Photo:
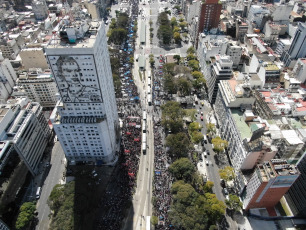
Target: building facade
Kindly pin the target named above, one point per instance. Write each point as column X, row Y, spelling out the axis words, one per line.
column 296, row 196
column 221, row 69
column 269, row 183
column 210, row 12
column 24, row 125
column 7, row 79
column 298, row 46
column 85, row 118
column 39, row 86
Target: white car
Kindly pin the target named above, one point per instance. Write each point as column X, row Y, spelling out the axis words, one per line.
column 207, row 162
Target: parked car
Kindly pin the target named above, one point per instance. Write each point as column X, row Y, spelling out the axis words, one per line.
column 222, row 183
column 201, row 118
column 225, row 193
column 207, row 162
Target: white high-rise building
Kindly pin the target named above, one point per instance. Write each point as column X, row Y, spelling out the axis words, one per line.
column 85, row 118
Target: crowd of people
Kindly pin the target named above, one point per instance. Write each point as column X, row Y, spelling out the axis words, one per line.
column 162, row 178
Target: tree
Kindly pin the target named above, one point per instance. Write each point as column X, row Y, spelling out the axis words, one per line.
column 173, row 22
column 178, row 144
column 185, row 36
column 199, row 83
column 164, row 33
column 191, row 113
column 182, row 169
column 210, row 129
column 154, row 220
column 183, row 24
column 117, row 84
column 184, row 86
column 197, row 74
column 194, row 65
column 61, row 202
column 208, row 186
column 177, row 58
column 234, row 202
column 196, row 137
column 227, row 173
column 215, row 208
column 219, row 144
column 172, row 116
column 194, row 126
column 118, row 35
column 177, row 37
column 176, row 29
column 191, row 50
column 151, row 60
column 122, row 20
column 26, row 215
column 170, row 84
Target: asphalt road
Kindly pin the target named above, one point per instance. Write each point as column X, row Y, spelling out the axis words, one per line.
column 54, row 177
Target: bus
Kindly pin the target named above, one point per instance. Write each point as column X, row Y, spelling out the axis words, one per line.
column 144, row 148
column 144, row 138
column 144, row 115
column 149, row 99
column 149, row 90
column 144, row 130
column 38, row 192
column 148, row 222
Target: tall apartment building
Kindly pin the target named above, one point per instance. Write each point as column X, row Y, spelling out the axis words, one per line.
column 39, row 86
column 296, row 195
column 282, row 45
column 85, row 118
column 298, row 46
column 239, row 126
column 268, row 184
column 7, row 79
column 241, row 30
column 220, row 69
column 210, row 12
column 24, row 128
column 234, row 51
column 9, row 47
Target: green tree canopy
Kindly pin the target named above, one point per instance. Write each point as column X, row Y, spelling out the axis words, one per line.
column 194, row 126
column 170, row 84
column 26, row 215
column 184, row 86
column 208, row 186
column 173, row 22
column 227, row 173
column 234, row 202
column 191, row 57
column 199, row 83
column 191, row 50
column 177, row 37
column 122, row 20
column 61, row 202
column 176, row 29
column 215, row 208
column 196, row 137
column 178, row 144
column 164, row 33
column 210, row 129
column 194, row 65
column 182, row 169
column 197, row 74
column 117, row 35
column 183, row 24
column 219, row 144
column 191, row 113
column 169, row 68
column 172, row 116
column 177, row 58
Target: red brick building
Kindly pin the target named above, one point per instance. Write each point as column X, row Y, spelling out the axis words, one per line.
column 269, row 183
column 209, row 15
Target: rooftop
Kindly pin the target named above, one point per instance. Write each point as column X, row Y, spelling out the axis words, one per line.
column 79, row 35
column 242, row 126
column 271, row 67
